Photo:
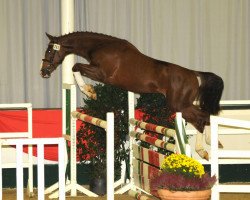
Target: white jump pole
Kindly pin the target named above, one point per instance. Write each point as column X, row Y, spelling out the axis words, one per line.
column 131, row 114
column 110, row 155
column 67, row 23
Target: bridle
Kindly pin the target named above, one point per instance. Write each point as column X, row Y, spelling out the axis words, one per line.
column 51, row 67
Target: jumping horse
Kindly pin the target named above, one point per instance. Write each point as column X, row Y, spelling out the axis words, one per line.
column 117, row 62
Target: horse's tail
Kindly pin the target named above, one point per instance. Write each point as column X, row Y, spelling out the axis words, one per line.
column 210, row 92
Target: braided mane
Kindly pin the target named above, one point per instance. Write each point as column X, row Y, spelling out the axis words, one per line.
column 79, row 33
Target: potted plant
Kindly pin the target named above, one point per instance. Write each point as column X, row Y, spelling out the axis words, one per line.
column 182, row 177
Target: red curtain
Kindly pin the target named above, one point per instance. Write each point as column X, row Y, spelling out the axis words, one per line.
column 46, row 123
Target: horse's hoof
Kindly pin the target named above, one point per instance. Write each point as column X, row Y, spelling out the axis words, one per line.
column 206, row 156
column 220, row 145
column 93, row 96
column 203, row 154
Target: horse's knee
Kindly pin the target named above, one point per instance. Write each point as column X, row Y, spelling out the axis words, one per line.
column 76, row 67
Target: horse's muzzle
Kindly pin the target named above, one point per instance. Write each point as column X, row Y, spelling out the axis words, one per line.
column 45, row 73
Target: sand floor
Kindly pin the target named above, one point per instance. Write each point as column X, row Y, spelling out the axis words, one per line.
column 10, row 194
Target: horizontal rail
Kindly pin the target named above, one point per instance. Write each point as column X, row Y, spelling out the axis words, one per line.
column 16, row 105
column 152, row 127
column 30, row 141
column 231, row 122
column 89, row 119
column 153, row 141
column 234, row 154
column 15, row 135
column 234, row 188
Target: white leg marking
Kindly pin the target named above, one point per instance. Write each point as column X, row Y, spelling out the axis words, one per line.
column 79, row 80
column 208, row 135
column 199, row 147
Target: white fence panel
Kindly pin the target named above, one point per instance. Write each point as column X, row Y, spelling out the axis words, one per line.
column 219, row 154
column 40, row 143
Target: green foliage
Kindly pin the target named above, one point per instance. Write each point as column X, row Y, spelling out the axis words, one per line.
column 156, row 111
column 92, row 139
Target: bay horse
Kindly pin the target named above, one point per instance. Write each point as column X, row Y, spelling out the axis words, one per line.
column 117, row 62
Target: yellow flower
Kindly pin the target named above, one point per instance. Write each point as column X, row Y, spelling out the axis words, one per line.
column 182, row 164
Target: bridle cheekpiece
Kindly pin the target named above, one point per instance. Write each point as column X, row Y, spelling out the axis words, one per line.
column 56, row 47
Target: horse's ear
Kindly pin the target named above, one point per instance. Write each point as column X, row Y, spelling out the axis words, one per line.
column 51, row 38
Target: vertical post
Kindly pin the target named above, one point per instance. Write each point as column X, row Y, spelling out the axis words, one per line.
column 40, row 171
column 30, row 152
column 131, row 114
column 214, row 155
column 110, row 155
column 72, row 121
column 131, row 109
column 61, row 172
column 67, row 22
column 19, row 171
column 68, row 111
column 1, row 172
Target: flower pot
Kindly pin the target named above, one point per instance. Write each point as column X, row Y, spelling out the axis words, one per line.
column 98, row 186
column 184, row 195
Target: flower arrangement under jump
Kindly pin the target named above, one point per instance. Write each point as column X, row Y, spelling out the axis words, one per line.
column 182, row 173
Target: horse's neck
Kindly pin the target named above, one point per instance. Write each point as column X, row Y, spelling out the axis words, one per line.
column 77, row 44
column 80, row 44
column 72, row 45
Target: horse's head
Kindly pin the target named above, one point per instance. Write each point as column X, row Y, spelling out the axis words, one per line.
column 54, row 56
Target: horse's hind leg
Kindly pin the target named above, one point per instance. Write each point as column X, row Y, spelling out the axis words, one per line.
column 199, row 119
column 199, row 147
column 196, row 117
column 208, row 137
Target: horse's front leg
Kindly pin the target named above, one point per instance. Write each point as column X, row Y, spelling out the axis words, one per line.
column 89, row 71
column 87, row 89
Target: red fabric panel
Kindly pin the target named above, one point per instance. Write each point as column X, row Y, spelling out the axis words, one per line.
column 46, row 123
column 13, row 121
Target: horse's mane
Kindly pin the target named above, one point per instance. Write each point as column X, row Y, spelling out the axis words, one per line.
column 86, row 33
column 95, row 35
